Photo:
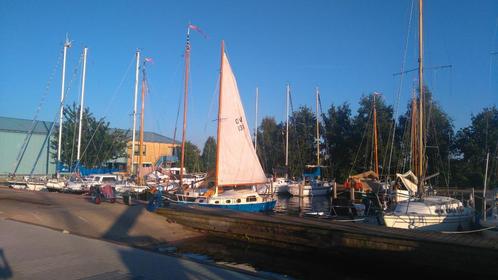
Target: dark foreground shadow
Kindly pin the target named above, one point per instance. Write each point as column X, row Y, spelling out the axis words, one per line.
column 5, row 271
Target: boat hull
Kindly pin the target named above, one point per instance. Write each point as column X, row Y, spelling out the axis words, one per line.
column 264, row 206
column 309, row 190
column 429, row 222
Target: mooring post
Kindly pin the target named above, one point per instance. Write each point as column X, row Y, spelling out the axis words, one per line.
column 351, row 194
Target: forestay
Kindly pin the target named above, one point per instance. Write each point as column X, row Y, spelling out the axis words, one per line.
column 237, row 161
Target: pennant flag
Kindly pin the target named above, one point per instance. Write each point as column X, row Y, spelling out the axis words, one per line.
column 196, row 28
column 148, row 59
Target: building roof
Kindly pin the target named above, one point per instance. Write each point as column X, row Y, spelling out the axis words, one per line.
column 43, row 127
column 150, row 137
column 24, row 125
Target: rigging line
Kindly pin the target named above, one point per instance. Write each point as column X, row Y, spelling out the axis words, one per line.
column 180, row 96
column 212, row 102
column 34, row 122
column 73, row 78
column 491, row 56
column 46, row 141
column 327, row 146
column 110, row 102
column 446, row 177
column 400, row 88
column 361, row 143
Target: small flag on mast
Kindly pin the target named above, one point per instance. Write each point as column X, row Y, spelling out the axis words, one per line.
column 196, row 28
column 148, row 59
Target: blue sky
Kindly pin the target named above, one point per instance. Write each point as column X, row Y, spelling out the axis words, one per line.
column 347, row 48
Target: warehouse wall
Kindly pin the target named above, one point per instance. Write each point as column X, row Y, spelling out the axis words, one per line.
column 10, row 145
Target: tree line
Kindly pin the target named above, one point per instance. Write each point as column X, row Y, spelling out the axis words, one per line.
column 346, row 143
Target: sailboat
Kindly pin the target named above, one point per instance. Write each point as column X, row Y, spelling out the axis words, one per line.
column 238, row 168
column 438, row 213
column 312, row 184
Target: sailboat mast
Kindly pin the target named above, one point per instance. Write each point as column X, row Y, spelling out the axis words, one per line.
column 67, row 44
column 484, row 190
column 219, row 117
column 421, row 98
column 287, row 128
column 133, row 171
column 317, row 130
column 141, row 143
column 185, row 103
column 376, row 157
column 85, row 50
column 256, row 122
column 413, row 133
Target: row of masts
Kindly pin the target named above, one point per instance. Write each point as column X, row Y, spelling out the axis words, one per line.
column 67, row 45
column 417, row 158
column 287, row 99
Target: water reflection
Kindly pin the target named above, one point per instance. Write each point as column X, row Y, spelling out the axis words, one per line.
column 297, row 206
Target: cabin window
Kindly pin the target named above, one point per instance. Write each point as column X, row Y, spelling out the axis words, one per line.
column 251, row 199
column 227, row 201
column 216, row 202
column 238, row 200
column 202, row 200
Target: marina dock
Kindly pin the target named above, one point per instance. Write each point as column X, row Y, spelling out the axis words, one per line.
column 307, row 245
column 457, row 252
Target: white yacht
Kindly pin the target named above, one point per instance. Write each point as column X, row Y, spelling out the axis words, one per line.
column 434, row 213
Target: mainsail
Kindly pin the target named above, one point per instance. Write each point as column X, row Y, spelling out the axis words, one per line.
column 237, row 162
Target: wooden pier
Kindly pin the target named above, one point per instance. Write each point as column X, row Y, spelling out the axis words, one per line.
column 447, row 252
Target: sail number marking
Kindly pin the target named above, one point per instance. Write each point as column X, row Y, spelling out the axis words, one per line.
column 239, row 123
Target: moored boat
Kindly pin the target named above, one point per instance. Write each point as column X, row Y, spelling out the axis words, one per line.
column 435, row 213
column 238, row 168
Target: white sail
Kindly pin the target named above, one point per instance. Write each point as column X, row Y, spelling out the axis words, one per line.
column 237, row 161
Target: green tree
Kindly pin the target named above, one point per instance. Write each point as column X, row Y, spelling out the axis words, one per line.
column 208, row 157
column 302, row 137
column 362, row 138
column 472, row 143
column 438, row 137
column 271, row 137
column 99, row 143
column 193, row 161
column 338, row 137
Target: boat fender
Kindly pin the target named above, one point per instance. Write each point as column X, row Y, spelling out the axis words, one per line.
column 358, row 186
column 346, row 184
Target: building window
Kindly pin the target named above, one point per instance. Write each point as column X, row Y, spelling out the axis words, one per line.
column 137, row 149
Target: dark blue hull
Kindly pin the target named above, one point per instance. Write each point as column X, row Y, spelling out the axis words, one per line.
column 250, row 207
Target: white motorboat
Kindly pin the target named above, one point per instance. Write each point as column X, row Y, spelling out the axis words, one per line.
column 281, row 185
column 432, row 213
column 28, row 184
column 310, row 188
column 313, row 185
column 76, row 185
column 126, row 186
column 56, row 184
